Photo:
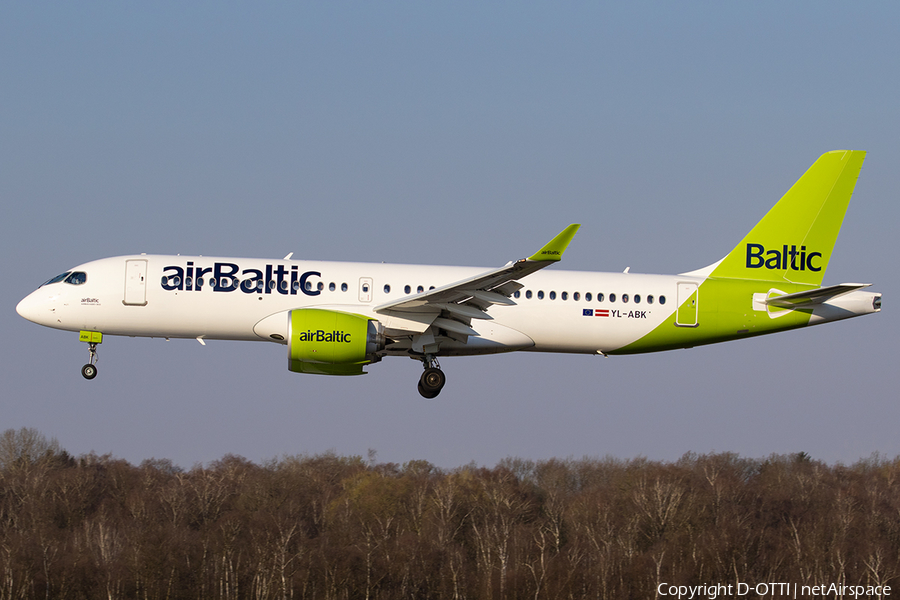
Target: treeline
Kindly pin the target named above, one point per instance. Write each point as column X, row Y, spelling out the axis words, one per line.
column 327, row 526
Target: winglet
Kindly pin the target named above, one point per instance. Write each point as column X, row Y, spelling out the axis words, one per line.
column 554, row 249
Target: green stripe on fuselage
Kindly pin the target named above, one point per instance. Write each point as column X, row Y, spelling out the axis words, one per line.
column 725, row 313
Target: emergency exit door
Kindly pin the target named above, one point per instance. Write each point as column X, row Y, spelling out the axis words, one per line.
column 365, row 289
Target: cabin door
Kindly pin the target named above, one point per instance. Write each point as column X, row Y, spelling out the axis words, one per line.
column 135, row 283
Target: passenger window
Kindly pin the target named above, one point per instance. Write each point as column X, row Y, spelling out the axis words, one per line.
column 516, row 294
column 650, row 299
column 406, row 289
column 600, row 297
column 420, row 289
column 612, row 297
column 662, row 299
column 387, row 288
column 553, row 295
column 295, row 285
column 576, row 296
column 320, row 286
column 564, row 295
column 528, row 294
column 331, row 287
column 540, row 294
column 637, row 298
column 625, row 298
column 588, row 297
column 343, row 287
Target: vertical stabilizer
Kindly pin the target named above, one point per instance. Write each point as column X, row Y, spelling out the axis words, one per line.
column 794, row 241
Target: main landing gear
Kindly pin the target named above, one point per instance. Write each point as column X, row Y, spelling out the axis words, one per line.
column 432, row 381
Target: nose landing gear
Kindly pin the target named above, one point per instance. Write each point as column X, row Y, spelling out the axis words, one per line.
column 433, row 379
column 89, row 371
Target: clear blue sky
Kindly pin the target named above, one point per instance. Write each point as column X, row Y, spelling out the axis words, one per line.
column 444, row 133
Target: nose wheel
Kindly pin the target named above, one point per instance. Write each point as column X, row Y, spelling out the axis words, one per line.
column 89, row 371
column 433, row 379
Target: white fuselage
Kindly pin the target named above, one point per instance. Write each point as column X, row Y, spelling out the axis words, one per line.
column 220, row 298
column 550, row 314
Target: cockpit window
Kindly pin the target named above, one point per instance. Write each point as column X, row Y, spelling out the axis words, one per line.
column 77, row 278
column 58, row 278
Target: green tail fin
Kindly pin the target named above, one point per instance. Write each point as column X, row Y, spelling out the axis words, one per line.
column 794, row 241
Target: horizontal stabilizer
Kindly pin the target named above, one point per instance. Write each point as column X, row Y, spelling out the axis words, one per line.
column 818, row 296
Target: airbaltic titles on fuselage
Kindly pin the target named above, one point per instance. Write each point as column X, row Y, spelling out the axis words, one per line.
column 229, row 277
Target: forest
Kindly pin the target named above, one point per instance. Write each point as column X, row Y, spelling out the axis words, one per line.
column 334, row 527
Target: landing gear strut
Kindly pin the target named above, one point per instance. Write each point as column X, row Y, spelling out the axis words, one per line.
column 433, row 379
column 89, row 371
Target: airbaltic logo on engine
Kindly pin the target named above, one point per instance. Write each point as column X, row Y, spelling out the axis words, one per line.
column 323, row 336
column 229, row 277
column 788, row 258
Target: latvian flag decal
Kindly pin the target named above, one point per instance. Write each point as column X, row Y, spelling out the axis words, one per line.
column 595, row 312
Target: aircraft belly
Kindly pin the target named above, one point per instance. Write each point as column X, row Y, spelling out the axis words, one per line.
column 576, row 331
column 492, row 338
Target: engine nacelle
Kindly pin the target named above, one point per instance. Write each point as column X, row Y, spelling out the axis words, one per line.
column 330, row 342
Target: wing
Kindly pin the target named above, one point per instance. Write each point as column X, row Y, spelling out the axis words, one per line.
column 449, row 309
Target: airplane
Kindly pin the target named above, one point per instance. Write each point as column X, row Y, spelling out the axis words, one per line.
column 337, row 317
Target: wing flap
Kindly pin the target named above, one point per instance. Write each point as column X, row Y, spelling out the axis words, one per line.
column 492, row 297
column 465, row 311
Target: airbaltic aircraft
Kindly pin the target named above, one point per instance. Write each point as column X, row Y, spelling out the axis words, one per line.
column 336, row 317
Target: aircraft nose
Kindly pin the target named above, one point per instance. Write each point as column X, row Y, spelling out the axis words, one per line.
column 37, row 308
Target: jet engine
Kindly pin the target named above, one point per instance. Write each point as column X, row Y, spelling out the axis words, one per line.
column 330, row 342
